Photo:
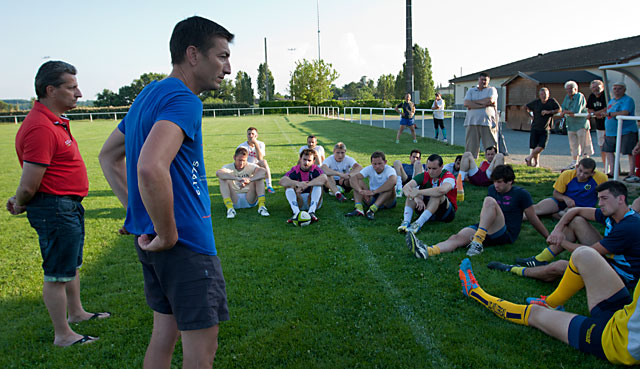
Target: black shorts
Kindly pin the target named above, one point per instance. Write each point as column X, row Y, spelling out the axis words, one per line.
column 538, row 138
column 347, row 188
column 445, row 212
column 628, row 142
column 186, row 284
column 585, row 333
column 438, row 123
column 501, row 237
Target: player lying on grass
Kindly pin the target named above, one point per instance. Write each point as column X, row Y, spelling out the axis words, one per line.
column 342, row 167
column 242, row 184
column 380, row 193
column 573, row 188
column 303, row 185
column 611, row 332
column 432, row 193
column 500, row 219
column 480, row 176
column 620, row 244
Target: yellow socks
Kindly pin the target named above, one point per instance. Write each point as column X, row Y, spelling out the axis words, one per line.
column 373, row 208
column 261, row 201
column 359, row 207
column 506, row 310
column 570, row 284
column 433, row 250
column 228, row 203
column 545, row 255
column 518, row 270
column 481, row 233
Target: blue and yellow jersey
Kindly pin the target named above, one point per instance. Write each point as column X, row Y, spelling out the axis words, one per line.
column 583, row 193
column 621, row 336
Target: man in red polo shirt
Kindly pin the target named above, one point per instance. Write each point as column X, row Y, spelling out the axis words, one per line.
column 52, row 185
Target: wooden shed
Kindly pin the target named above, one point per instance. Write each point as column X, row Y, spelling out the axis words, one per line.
column 523, row 88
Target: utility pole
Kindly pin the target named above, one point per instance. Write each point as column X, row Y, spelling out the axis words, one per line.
column 409, row 53
column 266, row 71
column 318, row 12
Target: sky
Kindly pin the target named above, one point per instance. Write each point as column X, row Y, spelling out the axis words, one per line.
column 113, row 42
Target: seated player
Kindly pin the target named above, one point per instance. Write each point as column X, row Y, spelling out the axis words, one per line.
column 342, row 167
column 573, row 188
column 432, row 193
column 454, row 168
column 620, row 244
column 480, row 176
column 405, row 172
column 312, row 143
column 610, row 332
column 500, row 219
column 303, row 186
column 242, row 184
column 257, row 153
column 379, row 194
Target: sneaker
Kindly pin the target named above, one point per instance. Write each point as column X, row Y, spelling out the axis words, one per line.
column 354, row 213
column 530, row 262
column 414, row 244
column 496, row 265
column 371, row 215
column 341, row 197
column 467, row 279
column 444, row 140
column 421, row 250
column 263, row 211
column 314, row 218
column 399, row 193
column 397, row 141
column 403, row 227
column 231, row 213
column 270, row 189
column 414, row 228
column 632, row 179
column 415, row 141
column 475, row 248
column 290, row 220
column 542, row 301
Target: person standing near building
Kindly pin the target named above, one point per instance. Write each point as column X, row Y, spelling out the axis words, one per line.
column 543, row 110
column 438, row 116
column 597, row 106
column 481, row 122
column 577, row 127
column 406, row 117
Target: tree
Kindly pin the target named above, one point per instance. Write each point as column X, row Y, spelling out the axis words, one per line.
column 422, row 77
column 400, row 89
column 264, row 74
column 126, row 94
column 385, row 88
column 5, row 106
column 224, row 93
column 243, row 92
column 108, row 98
column 311, row 81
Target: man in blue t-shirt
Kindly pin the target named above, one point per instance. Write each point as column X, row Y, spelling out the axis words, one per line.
column 159, row 176
column 620, row 244
column 621, row 104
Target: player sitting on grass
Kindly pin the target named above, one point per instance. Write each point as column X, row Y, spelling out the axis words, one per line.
column 312, row 143
column 405, row 172
column 454, row 168
column 500, row 219
column 242, row 184
column 480, row 176
column 342, row 167
column 620, row 244
column 380, row 193
column 257, row 154
column 611, row 332
column 573, row 188
column 432, row 193
column 303, row 185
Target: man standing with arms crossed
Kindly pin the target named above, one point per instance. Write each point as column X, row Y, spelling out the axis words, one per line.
column 53, row 183
column 163, row 184
column 482, row 116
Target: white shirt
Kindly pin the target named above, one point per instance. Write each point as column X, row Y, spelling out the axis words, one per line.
column 253, row 157
column 450, row 168
column 246, row 172
column 318, row 149
column 481, row 117
column 343, row 167
column 439, row 114
column 376, row 180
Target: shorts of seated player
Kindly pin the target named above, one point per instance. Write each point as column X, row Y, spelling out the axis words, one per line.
column 445, row 212
column 561, row 204
column 480, row 179
column 501, row 237
column 585, row 333
column 305, row 202
column 346, row 188
column 242, row 202
column 374, row 198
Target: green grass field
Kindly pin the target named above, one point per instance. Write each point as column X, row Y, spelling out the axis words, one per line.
column 342, row 293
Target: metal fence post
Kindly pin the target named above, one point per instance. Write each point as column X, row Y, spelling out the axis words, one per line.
column 90, row 117
column 351, row 119
column 360, row 115
column 214, row 113
column 423, row 123
column 452, row 132
column 238, row 113
column 370, row 116
column 15, row 119
column 384, row 118
column 115, row 116
column 287, row 111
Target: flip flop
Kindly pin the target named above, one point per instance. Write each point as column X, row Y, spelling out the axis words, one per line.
column 100, row 316
column 84, row 340
column 528, row 161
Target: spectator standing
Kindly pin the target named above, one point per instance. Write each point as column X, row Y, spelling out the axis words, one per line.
column 621, row 104
column 577, row 127
column 481, row 121
column 597, row 105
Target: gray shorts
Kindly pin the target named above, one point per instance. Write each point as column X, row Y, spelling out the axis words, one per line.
column 628, row 142
column 186, row 284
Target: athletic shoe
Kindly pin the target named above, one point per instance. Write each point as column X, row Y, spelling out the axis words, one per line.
column 467, row 279
column 231, row 213
column 542, row 301
column 371, row 215
column 421, row 250
column 413, row 243
column 475, row 248
column 632, row 179
column 414, row 228
column 399, row 193
column 314, row 218
column 444, row 140
column 397, row 141
column 530, row 262
column 263, row 211
column 496, row 265
column 415, row 141
column 290, row 220
column 270, row 189
column 354, row 213
column 403, row 227
column 340, row 197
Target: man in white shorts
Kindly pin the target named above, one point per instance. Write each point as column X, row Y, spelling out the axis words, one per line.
column 257, row 153
column 380, row 193
column 242, row 185
column 312, row 143
column 342, row 167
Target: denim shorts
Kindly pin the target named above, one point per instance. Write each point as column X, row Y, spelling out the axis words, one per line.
column 59, row 222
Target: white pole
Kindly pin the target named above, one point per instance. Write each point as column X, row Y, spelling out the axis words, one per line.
column 360, row 115
column 452, row 132
column 423, row 123
column 384, row 118
column 616, row 166
column 115, row 116
column 287, row 111
column 370, row 116
column 90, row 117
